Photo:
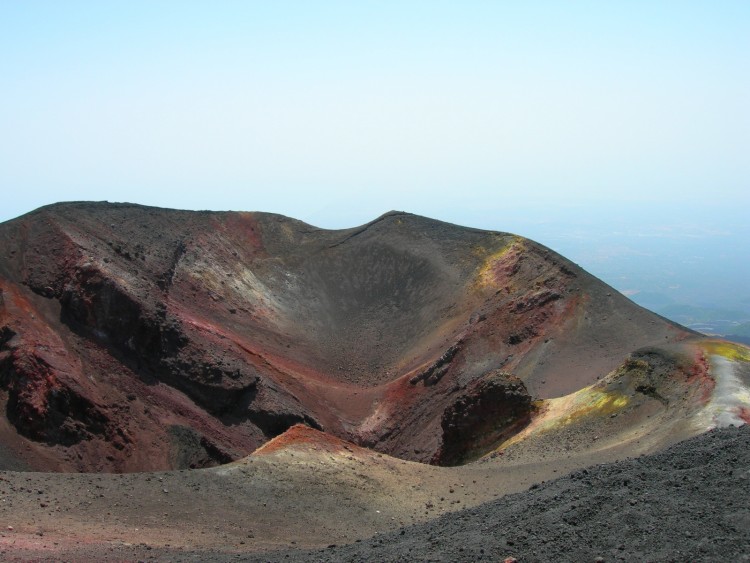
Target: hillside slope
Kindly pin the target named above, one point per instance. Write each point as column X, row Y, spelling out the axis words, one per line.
column 136, row 338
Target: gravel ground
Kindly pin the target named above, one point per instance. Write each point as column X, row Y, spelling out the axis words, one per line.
column 690, row 502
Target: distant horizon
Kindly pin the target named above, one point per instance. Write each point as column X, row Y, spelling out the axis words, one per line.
column 516, row 212
column 616, row 134
column 692, row 256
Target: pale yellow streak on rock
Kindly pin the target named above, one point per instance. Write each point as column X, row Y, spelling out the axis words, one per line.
column 486, row 277
column 562, row 411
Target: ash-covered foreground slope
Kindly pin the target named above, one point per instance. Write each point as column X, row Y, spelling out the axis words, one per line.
column 690, row 502
column 136, row 338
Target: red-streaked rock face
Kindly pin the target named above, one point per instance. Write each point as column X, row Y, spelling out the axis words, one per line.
column 135, row 338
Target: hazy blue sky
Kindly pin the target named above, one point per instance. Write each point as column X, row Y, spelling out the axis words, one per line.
column 334, row 112
column 616, row 132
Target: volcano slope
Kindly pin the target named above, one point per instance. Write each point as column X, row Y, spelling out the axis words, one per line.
column 340, row 372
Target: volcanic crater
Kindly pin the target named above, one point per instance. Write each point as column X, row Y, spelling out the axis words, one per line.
column 143, row 339
column 138, row 339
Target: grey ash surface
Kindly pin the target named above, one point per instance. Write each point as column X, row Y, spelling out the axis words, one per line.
column 690, row 502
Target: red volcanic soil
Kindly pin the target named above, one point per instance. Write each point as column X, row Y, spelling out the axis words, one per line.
column 301, row 437
column 136, row 338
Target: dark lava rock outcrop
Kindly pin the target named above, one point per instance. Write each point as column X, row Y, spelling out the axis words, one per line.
column 135, row 338
column 494, row 407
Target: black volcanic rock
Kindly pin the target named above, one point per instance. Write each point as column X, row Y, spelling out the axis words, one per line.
column 494, row 407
